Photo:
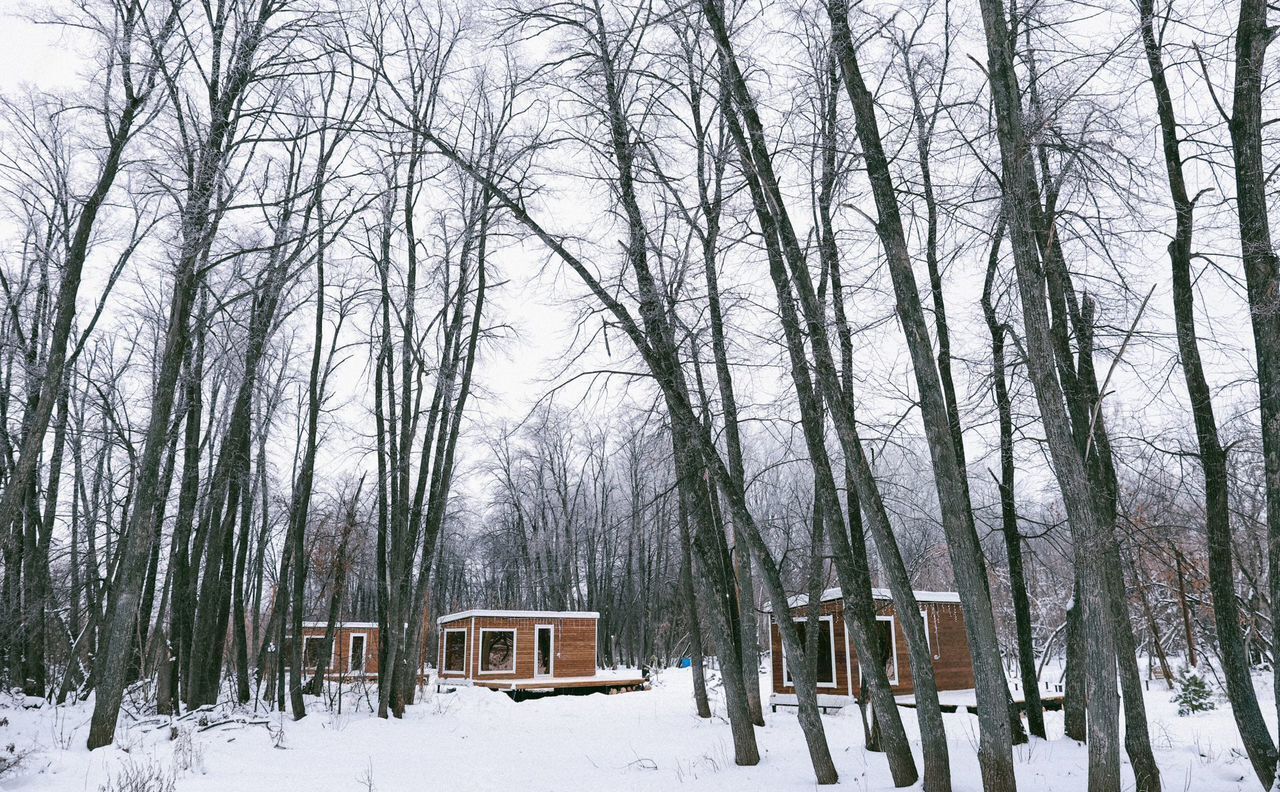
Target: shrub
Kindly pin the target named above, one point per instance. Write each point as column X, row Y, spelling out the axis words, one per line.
column 1194, row 693
column 11, row 759
column 188, row 753
column 140, row 776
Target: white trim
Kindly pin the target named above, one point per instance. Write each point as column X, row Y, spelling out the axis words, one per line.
column 602, row 678
column 364, row 651
column 305, row 638
column 341, row 625
column 893, row 645
column 848, row 661
column 518, row 614
column 878, row 593
column 514, row 656
column 824, row 700
column 773, row 680
column 551, row 665
column 444, row 650
column 831, row 635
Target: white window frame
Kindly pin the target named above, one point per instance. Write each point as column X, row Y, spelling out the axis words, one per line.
column 551, row 666
column 849, row 666
column 305, row 639
column 472, row 653
column 893, row 645
column 364, row 654
column 831, row 633
column 515, row 657
column 444, row 653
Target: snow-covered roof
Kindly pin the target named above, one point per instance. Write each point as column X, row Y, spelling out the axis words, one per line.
column 519, row 614
column 830, row 594
column 341, row 624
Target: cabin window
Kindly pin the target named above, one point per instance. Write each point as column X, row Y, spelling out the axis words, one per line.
column 888, row 640
column 356, row 653
column 826, row 652
column 497, row 651
column 311, row 650
column 455, row 651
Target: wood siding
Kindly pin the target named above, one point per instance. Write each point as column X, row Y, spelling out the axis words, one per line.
column 947, row 639
column 574, row 646
column 340, row 660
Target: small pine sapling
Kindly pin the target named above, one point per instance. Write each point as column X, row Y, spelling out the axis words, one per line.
column 1194, row 693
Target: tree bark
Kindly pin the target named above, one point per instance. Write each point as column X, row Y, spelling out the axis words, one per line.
column 1262, row 278
column 1075, row 693
column 1089, row 539
column 849, row 553
column 995, row 750
column 1008, row 504
column 733, row 450
column 690, row 599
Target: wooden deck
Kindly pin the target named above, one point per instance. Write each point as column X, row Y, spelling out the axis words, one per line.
column 555, row 683
column 536, row 687
column 955, row 700
column 948, row 700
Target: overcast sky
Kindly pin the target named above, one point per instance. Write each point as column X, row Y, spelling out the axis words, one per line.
column 534, row 301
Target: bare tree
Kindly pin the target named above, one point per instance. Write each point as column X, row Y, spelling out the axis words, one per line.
column 1089, row 535
column 208, row 148
column 1213, row 456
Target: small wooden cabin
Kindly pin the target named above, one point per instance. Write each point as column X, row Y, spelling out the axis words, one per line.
column 517, row 650
column 838, row 675
column 355, row 649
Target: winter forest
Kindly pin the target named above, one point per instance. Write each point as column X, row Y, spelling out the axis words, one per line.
column 370, row 311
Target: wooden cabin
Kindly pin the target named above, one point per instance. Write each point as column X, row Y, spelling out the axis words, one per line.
column 355, row 649
column 838, row 675
column 515, row 650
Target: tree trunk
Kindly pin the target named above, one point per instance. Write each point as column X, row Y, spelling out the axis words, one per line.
column 1008, row 506
column 718, row 591
column 1089, row 538
column 995, row 751
column 112, row 665
column 733, row 450
column 1262, row 277
column 690, row 461
column 1084, row 404
column 691, row 614
column 197, row 227
column 1187, row 632
column 182, row 610
column 239, row 617
column 1075, row 687
column 1213, row 458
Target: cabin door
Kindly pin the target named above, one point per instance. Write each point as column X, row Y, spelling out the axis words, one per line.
column 544, row 650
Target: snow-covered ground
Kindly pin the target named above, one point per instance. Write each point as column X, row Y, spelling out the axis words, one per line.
column 476, row 739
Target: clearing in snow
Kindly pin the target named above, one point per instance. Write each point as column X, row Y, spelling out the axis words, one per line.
column 475, row 739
